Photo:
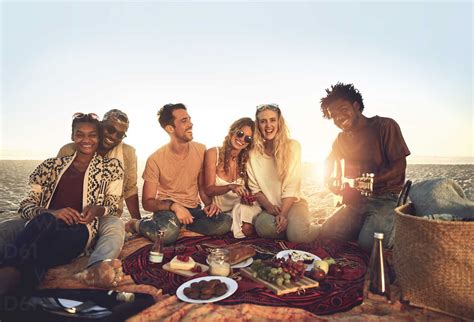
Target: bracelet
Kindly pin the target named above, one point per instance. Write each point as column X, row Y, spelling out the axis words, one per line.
column 171, row 205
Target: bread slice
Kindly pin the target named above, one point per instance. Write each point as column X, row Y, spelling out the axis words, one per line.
column 239, row 253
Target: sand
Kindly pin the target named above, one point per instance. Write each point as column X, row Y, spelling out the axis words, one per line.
column 13, row 187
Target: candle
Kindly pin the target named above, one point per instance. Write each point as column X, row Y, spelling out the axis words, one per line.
column 218, row 260
column 219, row 269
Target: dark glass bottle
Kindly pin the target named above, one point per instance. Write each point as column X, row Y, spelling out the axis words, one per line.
column 376, row 279
column 157, row 251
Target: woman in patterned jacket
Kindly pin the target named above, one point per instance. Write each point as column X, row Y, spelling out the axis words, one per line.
column 66, row 197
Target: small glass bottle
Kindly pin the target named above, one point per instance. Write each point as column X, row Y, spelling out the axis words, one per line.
column 156, row 252
column 218, row 260
column 376, row 279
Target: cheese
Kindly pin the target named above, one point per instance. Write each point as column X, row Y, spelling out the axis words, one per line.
column 298, row 256
column 186, row 266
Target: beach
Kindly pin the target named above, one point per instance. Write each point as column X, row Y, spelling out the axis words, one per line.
column 15, row 174
column 14, row 186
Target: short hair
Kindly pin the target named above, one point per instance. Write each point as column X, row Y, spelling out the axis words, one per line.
column 340, row 91
column 165, row 114
column 85, row 118
column 116, row 114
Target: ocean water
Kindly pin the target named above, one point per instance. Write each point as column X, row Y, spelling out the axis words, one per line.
column 14, row 178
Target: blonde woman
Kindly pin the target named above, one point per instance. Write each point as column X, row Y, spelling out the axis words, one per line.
column 274, row 172
column 226, row 179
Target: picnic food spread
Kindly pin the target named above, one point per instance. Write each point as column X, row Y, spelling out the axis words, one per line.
column 205, row 290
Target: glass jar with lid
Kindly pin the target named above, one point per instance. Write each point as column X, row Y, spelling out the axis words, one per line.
column 218, row 260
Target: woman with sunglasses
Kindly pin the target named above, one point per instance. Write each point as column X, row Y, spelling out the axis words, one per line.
column 67, row 196
column 274, row 172
column 226, row 178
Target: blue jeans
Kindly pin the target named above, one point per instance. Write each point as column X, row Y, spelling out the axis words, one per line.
column 360, row 222
column 168, row 222
column 9, row 231
column 110, row 240
column 111, row 236
column 44, row 243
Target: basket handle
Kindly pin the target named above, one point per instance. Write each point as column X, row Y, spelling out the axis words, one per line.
column 402, row 198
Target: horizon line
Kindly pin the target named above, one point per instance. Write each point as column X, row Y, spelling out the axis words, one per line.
column 459, row 160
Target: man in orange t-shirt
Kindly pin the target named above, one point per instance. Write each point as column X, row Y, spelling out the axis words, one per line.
column 173, row 187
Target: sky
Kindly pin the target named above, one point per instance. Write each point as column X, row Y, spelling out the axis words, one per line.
column 412, row 61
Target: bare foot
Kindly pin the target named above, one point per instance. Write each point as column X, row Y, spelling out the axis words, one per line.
column 131, row 226
column 105, row 274
column 9, row 279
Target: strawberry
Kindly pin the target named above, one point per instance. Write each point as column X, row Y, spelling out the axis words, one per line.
column 183, row 258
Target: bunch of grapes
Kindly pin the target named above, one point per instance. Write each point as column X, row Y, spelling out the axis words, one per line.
column 278, row 271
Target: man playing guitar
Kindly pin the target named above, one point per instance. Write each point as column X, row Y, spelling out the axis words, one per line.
column 367, row 145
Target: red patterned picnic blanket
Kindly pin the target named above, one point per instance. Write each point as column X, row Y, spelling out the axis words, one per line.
column 332, row 296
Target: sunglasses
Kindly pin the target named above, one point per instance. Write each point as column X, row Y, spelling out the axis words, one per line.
column 112, row 130
column 272, row 106
column 241, row 134
column 78, row 116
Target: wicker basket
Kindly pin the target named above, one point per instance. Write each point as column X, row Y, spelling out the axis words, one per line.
column 434, row 262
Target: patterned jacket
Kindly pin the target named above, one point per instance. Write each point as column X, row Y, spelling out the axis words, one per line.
column 103, row 183
column 127, row 156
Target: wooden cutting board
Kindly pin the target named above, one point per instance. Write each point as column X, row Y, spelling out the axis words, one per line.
column 302, row 284
column 185, row 273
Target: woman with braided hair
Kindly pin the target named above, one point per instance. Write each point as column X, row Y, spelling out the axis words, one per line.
column 226, row 179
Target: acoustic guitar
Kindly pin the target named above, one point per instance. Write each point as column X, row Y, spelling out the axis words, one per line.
column 351, row 190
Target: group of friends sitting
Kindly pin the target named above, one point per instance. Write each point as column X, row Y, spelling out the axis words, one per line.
column 250, row 186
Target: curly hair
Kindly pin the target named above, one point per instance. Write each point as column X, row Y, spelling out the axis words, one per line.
column 282, row 141
column 341, row 91
column 243, row 156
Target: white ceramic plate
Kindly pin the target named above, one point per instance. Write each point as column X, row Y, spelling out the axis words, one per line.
column 243, row 264
column 231, row 288
column 286, row 254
